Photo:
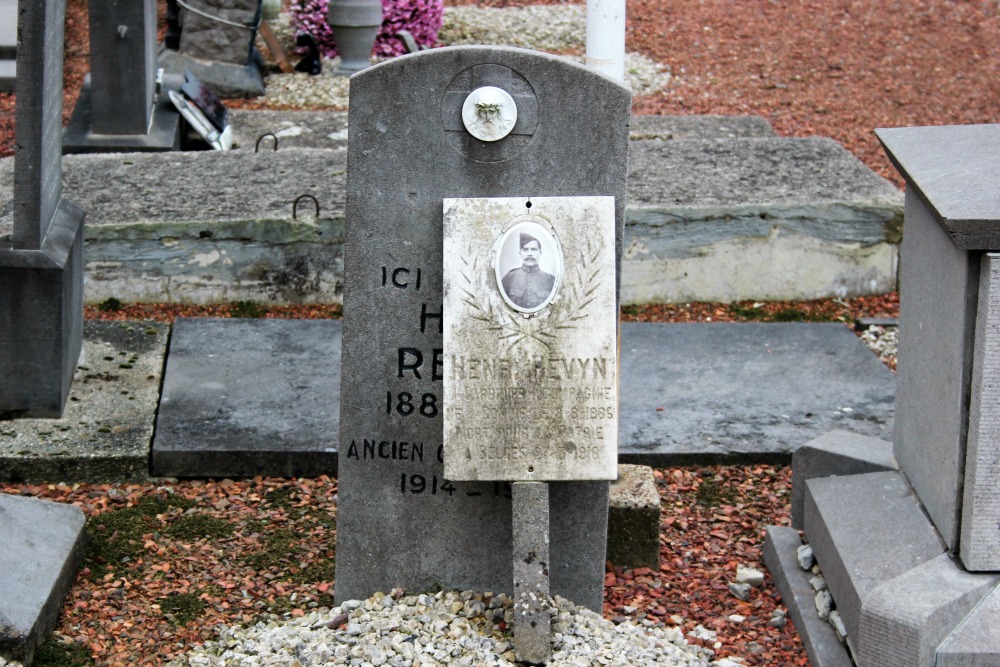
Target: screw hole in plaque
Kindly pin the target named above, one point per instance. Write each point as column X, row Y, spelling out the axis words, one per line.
column 531, row 468
column 528, row 204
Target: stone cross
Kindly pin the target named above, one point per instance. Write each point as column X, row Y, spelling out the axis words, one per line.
column 41, row 262
column 401, row 521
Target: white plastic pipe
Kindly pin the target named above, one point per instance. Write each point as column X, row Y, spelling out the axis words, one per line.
column 606, row 37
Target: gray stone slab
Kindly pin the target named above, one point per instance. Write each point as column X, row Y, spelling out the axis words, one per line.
column 530, row 550
column 938, row 295
column 161, row 133
column 702, row 392
column 634, row 518
column 763, row 239
column 106, row 428
column 405, row 159
column 836, row 453
column 249, row 397
column 38, row 120
column 299, row 129
column 953, row 169
column 905, row 619
column 975, row 643
column 42, row 545
column 41, row 318
column 699, row 128
column 328, row 129
column 798, row 596
column 783, row 216
column 980, row 527
column 864, row 531
column 122, row 65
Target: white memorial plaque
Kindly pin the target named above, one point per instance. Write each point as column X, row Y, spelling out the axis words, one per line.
column 530, row 339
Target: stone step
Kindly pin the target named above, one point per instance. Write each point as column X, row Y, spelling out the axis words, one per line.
column 709, row 217
column 865, row 530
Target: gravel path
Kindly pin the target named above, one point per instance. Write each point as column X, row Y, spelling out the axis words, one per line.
column 453, row 628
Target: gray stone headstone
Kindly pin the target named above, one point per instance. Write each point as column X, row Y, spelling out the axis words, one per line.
column 41, row 261
column 400, row 522
column 122, row 65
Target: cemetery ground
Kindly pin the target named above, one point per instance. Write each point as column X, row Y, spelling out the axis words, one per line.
column 170, row 561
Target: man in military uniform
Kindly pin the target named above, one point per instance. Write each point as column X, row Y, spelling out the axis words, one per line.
column 528, row 286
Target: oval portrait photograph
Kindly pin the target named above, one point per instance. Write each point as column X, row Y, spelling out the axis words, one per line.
column 529, row 265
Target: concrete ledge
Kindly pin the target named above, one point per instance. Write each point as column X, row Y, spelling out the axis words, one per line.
column 722, row 213
column 836, row 453
column 798, row 596
column 905, row 619
column 634, row 518
column 42, row 545
column 865, row 530
column 104, row 433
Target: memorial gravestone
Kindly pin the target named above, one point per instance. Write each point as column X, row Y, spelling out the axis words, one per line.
column 118, row 109
column 401, row 521
column 41, row 259
column 912, row 557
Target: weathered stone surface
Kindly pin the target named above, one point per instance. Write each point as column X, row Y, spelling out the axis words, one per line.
column 531, row 333
column 42, row 317
column 249, row 397
column 980, row 532
column 819, row 639
column 905, row 619
column 950, row 167
column 975, row 643
column 699, row 128
column 830, row 230
column 405, row 159
column 786, row 217
column 865, row 530
column 122, row 65
column 223, row 230
column 42, row 545
column 532, row 623
column 937, row 309
column 634, row 518
column 204, row 38
column 836, row 453
column 703, row 392
column 106, row 428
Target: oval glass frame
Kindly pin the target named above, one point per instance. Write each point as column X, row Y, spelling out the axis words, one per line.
column 507, row 257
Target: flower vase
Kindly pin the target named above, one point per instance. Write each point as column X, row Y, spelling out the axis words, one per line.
column 355, row 25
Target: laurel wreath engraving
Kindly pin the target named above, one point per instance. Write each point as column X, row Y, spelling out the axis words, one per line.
column 578, row 291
